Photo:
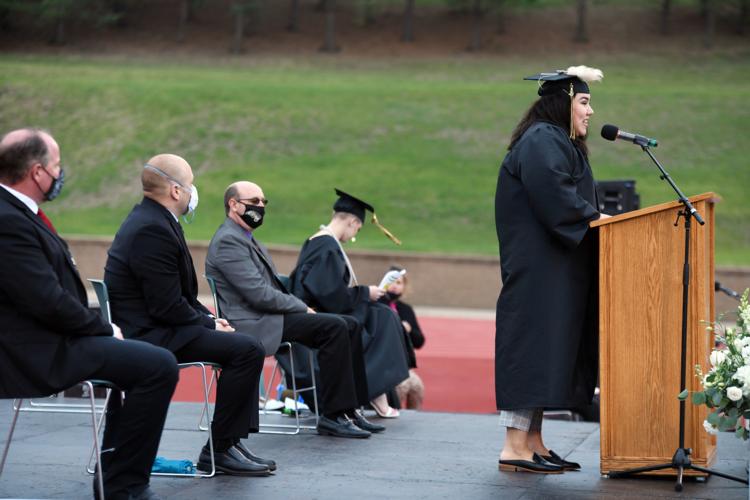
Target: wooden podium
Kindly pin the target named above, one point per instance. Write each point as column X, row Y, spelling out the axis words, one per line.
column 641, row 256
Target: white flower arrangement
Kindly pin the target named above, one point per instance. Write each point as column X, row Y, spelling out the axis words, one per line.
column 726, row 387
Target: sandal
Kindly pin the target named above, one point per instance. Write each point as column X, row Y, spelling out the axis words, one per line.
column 377, row 405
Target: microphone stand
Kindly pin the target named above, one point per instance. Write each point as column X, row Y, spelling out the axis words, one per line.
column 681, row 458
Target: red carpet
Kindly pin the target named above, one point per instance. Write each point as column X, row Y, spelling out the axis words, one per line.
column 456, row 365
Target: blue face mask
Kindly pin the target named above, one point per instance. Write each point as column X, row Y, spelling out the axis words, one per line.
column 56, row 186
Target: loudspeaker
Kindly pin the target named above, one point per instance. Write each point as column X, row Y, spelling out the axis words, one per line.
column 616, row 197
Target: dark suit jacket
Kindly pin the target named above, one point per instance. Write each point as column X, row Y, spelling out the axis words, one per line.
column 151, row 280
column 250, row 294
column 43, row 308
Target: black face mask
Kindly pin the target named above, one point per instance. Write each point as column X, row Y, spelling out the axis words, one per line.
column 56, row 186
column 253, row 215
column 393, row 296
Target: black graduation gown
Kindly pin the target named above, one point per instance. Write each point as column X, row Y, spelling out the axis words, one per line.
column 321, row 280
column 546, row 324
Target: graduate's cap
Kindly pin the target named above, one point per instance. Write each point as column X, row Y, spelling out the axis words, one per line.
column 573, row 80
column 353, row 205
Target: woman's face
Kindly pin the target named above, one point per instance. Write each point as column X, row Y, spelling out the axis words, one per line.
column 397, row 287
column 582, row 110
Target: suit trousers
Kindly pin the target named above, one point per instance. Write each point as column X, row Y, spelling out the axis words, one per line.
column 241, row 358
column 148, row 376
column 329, row 334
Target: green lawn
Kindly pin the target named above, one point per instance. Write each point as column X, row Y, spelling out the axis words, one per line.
column 420, row 140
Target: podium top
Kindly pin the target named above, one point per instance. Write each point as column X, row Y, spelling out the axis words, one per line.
column 712, row 197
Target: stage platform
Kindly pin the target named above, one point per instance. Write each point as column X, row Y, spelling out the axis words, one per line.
column 421, row 455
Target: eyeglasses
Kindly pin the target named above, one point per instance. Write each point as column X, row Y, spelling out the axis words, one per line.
column 164, row 174
column 254, row 201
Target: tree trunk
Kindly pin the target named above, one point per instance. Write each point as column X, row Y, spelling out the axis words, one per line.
column 407, row 35
column 293, row 24
column 666, row 11
column 475, row 43
column 369, row 13
column 59, row 36
column 710, row 11
column 742, row 21
column 183, row 20
column 582, row 35
column 239, row 27
column 329, row 42
column 500, row 16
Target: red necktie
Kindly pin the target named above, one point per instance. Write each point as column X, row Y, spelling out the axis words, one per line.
column 46, row 220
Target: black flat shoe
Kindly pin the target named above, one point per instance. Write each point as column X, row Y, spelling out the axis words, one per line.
column 231, row 462
column 255, row 458
column 536, row 465
column 340, row 427
column 556, row 459
column 364, row 424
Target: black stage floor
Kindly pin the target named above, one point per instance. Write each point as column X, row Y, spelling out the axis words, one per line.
column 421, row 455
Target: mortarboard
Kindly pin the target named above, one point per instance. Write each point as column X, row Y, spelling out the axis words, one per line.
column 353, row 205
column 573, row 80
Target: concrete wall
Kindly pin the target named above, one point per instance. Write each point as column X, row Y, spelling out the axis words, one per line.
column 453, row 281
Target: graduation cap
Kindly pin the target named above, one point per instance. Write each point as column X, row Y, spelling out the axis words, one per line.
column 573, row 80
column 353, row 205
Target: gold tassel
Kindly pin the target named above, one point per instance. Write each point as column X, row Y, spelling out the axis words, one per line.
column 385, row 231
column 572, row 128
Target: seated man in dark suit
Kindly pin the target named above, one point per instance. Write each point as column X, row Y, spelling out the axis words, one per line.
column 154, row 297
column 50, row 339
column 256, row 302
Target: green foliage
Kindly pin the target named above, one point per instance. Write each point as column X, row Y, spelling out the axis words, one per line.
column 422, row 140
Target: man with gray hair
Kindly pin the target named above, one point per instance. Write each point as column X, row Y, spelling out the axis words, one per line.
column 51, row 340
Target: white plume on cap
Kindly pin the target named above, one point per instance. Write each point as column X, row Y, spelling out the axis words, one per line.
column 585, row 73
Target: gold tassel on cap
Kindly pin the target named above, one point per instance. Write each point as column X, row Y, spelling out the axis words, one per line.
column 385, row 231
column 572, row 127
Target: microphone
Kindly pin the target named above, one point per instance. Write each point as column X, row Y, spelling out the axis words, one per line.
column 611, row 132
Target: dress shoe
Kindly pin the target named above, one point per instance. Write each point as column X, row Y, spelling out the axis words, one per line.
column 556, row 459
column 360, row 421
column 143, row 493
column 536, row 465
column 340, row 427
column 231, row 462
column 255, row 458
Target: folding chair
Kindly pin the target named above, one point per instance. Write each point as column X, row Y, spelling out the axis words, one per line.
column 103, row 296
column 268, row 428
column 90, row 384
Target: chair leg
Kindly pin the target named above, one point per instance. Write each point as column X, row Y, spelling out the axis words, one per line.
column 270, row 382
column 295, row 394
column 10, row 434
column 99, row 424
column 204, row 413
column 208, row 419
column 311, row 360
column 95, row 426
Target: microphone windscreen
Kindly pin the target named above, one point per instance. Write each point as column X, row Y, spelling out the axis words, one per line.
column 609, row 132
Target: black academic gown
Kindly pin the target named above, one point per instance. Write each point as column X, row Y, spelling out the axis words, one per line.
column 546, row 338
column 321, row 280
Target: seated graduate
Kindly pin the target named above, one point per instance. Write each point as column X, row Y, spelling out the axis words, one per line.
column 325, row 280
column 253, row 298
column 51, row 340
column 153, row 294
column 410, row 392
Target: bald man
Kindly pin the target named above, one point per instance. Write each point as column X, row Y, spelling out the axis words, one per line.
column 154, row 298
column 50, row 339
column 254, row 299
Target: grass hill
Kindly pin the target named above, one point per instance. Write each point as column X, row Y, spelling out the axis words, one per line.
column 420, row 139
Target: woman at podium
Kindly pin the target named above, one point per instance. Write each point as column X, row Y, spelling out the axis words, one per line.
column 546, row 338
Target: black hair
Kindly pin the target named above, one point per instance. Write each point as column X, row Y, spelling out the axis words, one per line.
column 229, row 194
column 553, row 108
